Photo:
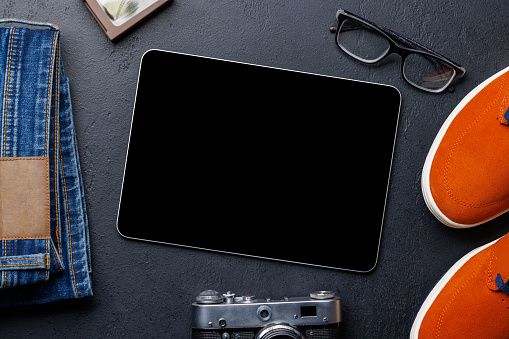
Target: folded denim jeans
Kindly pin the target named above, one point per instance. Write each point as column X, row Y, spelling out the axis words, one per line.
column 44, row 240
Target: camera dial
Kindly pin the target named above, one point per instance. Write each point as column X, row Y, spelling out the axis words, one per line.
column 229, row 297
column 248, row 298
column 322, row 295
column 209, row 297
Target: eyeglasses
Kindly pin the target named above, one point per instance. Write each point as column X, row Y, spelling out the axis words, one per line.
column 421, row 67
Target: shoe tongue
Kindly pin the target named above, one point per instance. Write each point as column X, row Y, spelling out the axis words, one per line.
column 498, row 262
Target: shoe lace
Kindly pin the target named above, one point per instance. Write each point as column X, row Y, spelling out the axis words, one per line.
column 501, row 284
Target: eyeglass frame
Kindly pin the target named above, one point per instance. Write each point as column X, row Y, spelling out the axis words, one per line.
column 393, row 37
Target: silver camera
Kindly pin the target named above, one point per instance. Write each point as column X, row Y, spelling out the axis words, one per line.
column 226, row 316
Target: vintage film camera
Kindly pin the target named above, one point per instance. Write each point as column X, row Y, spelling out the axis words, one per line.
column 225, row 316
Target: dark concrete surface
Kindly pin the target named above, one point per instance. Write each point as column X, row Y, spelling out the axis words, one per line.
column 144, row 290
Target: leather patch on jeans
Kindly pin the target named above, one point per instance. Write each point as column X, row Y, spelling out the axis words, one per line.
column 24, row 198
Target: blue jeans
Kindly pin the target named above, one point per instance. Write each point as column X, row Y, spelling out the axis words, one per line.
column 44, row 241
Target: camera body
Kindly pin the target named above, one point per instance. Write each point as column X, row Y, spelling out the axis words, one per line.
column 226, row 316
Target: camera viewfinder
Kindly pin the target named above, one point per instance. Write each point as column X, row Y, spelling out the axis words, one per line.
column 308, row 311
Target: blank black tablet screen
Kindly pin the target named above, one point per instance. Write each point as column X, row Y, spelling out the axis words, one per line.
column 258, row 161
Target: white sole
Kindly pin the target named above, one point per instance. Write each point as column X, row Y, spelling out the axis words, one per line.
column 430, row 299
column 425, row 183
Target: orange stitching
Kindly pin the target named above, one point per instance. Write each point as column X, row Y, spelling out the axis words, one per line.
column 49, row 94
column 47, row 272
column 24, row 238
column 456, row 293
column 5, row 254
column 22, row 158
column 456, row 144
column 492, row 257
column 489, row 271
column 28, row 22
column 4, row 259
column 68, row 221
column 58, row 261
column 4, row 151
column 57, row 226
column 48, row 214
column 7, row 89
column 501, row 110
column 20, row 265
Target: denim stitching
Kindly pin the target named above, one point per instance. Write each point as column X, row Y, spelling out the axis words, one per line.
column 66, row 285
column 29, row 22
column 7, row 90
column 50, row 76
column 24, row 265
column 58, row 261
column 68, row 223
column 4, row 259
column 19, row 265
column 46, row 275
column 5, row 128
column 57, row 219
column 5, row 254
column 5, row 141
column 49, row 93
column 46, row 256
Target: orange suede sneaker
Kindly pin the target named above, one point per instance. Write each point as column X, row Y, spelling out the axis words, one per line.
column 465, row 178
column 472, row 298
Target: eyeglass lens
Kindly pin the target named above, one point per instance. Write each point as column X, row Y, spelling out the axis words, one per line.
column 427, row 72
column 362, row 42
column 368, row 45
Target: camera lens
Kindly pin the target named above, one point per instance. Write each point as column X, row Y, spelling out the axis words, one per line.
column 279, row 332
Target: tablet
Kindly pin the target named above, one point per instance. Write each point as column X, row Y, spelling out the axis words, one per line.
column 258, row 161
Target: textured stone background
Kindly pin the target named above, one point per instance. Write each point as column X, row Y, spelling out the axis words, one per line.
column 145, row 290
